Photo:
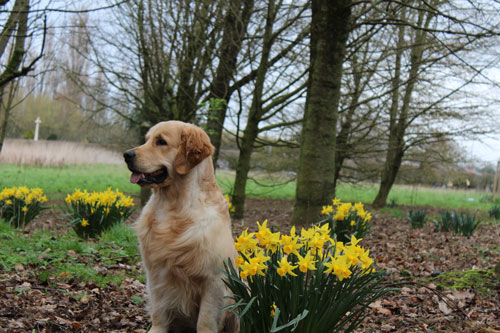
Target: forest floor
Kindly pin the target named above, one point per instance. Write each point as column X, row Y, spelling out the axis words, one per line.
column 424, row 265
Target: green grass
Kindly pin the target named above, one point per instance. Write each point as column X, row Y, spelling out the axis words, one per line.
column 63, row 257
column 57, row 181
column 265, row 188
column 401, row 194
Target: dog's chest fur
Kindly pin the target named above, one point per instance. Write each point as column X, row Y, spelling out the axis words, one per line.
column 179, row 250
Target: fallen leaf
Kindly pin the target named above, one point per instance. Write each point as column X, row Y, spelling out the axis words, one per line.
column 462, row 295
column 63, row 275
column 383, row 311
column 76, row 325
column 444, row 308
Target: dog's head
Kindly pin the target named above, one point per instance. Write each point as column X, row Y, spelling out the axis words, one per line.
column 171, row 148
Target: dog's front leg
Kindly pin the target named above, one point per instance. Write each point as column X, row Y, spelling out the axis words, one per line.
column 210, row 317
column 160, row 318
column 159, row 325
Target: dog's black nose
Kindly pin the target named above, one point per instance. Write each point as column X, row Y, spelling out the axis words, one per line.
column 129, row 155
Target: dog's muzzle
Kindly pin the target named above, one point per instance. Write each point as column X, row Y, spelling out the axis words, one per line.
column 142, row 178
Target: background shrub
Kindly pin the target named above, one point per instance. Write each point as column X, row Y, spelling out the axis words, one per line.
column 459, row 223
column 417, row 218
column 494, row 212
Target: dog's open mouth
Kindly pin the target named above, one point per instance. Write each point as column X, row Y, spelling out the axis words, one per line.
column 156, row 177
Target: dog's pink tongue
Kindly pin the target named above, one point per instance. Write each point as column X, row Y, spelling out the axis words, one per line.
column 135, row 177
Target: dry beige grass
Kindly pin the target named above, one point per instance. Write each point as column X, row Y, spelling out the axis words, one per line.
column 56, row 153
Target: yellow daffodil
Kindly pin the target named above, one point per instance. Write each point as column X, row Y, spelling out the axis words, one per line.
column 351, row 256
column 327, row 210
column 339, row 216
column 239, row 261
column 317, row 241
column 354, row 240
column 324, row 232
column 336, row 202
column 358, row 206
column 307, row 234
column 273, row 241
column 256, row 264
column 273, row 307
column 24, row 209
column 84, row 223
column 244, row 273
column 290, row 245
column 339, row 267
column 365, row 260
column 263, row 234
column 245, row 242
column 285, row 268
column 306, row 263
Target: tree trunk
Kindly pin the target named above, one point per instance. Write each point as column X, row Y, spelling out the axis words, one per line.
column 3, row 127
column 330, row 27
column 242, row 169
column 399, row 116
column 391, row 168
column 235, row 28
column 254, row 117
column 20, row 12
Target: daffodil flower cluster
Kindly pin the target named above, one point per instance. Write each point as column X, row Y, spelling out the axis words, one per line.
column 93, row 212
column 20, row 205
column 287, row 255
column 347, row 219
column 306, row 280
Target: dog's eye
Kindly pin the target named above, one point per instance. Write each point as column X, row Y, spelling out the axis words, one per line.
column 161, row 142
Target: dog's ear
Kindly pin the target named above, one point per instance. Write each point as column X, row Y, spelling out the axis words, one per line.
column 195, row 146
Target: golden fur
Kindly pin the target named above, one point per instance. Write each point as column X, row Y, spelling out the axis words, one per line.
column 184, row 232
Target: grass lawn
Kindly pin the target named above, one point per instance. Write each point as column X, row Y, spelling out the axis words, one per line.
column 401, row 194
column 57, row 181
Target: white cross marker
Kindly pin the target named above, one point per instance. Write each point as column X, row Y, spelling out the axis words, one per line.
column 37, row 125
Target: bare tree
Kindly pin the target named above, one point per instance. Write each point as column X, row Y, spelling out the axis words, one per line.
column 271, row 93
column 237, row 18
column 417, row 99
column 14, row 45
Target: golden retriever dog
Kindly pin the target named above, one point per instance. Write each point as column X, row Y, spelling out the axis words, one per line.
column 184, row 230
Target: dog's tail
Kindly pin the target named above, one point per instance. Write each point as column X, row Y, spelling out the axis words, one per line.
column 231, row 323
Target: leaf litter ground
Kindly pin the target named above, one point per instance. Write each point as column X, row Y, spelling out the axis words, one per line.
column 418, row 262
